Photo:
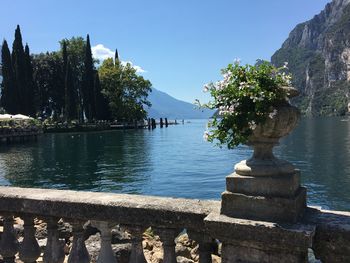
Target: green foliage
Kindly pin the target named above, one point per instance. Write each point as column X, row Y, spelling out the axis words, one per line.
column 65, row 85
column 18, row 85
column 29, row 91
column 298, row 60
column 89, row 96
column 9, row 95
column 75, row 48
column 18, row 64
column 245, row 98
column 49, row 83
column 333, row 100
column 126, row 91
column 103, row 111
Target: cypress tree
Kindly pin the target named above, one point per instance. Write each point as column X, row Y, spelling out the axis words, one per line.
column 116, row 56
column 18, row 63
column 70, row 103
column 9, row 99
column 64, row 71
column 29, row 89
column 89, row 103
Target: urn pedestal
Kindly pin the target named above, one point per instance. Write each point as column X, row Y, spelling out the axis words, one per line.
column 264, row 187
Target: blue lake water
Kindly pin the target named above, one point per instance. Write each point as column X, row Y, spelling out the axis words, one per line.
column 176, row 161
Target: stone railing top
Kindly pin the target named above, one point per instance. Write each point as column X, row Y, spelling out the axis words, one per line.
column 118, row 208
column 329, row 219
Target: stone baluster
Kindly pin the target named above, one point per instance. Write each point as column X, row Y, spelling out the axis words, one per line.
column 78, row 253
column 29, row 250
column 205, row 245
column 136, row 255
column 167, row 236
column 106, row 254
column 8, row 243
column 54, row 250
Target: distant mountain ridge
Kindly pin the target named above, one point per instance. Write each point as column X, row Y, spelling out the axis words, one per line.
column 318, row 52
column 166, row 106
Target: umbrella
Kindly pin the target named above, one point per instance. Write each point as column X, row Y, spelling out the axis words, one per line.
column 5, row 116
column 21, row 117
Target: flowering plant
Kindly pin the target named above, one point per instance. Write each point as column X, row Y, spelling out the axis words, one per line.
column 245, row 98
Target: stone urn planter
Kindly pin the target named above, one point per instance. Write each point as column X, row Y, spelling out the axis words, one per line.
column 265, row 187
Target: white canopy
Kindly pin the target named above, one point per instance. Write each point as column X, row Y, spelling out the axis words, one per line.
column 21, row 117
column 14, row 117
column 5, row 116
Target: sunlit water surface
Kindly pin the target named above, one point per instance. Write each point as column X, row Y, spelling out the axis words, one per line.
column 176, row 161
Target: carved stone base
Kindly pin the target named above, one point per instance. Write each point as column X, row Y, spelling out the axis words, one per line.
column 238, row 253
column 284, row 186
column 267, row 208
column 260, row 242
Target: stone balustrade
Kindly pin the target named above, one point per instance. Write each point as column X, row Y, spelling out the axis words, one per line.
column 167, row 216
column 326, row 232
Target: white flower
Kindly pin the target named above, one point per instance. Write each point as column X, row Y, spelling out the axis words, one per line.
column 236, row 61
column 206, row 135
column 206, row 88
column 227, row 76
column 273, row 114
column 252, row 125
column 285, row 65
column 220, row 85
column 242, row 85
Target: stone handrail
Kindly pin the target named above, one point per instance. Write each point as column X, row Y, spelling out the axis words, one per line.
column 167, row 216
column 120, row 208
column 326, row 232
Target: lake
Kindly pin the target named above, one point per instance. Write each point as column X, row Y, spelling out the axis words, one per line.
column 176, row 161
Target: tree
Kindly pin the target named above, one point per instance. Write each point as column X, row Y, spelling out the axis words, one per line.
column 9, row 99
column 116, row 56
column 49, row 82
column 75, row 48
column 29, row 89
column 71, row 100
column 89, row 95
column 102, row 105
column 18, row 63
column 126, row 91
column 70, row 92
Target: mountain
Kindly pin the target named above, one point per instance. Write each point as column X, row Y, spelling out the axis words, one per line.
column 165, row 106
column 318, row 53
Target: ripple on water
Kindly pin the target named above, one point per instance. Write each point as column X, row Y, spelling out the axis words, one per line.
column 176, row 161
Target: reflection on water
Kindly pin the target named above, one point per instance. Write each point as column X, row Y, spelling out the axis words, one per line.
column 321, row 149
column 87, row 161
column 176, row 161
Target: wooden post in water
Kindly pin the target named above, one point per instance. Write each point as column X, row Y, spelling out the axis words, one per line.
column 154, row 125
column 161, row 123
column 149, row 123
column 166, row 122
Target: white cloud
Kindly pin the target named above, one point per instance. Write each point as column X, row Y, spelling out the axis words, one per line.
column 138, row 68
column 101, row 53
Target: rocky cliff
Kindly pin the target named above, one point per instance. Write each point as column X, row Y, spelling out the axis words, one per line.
column 318, row 52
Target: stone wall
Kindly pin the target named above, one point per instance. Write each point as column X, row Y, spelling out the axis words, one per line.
column 326, row 232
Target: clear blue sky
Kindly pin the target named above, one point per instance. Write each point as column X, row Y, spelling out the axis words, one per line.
column 181, row 44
